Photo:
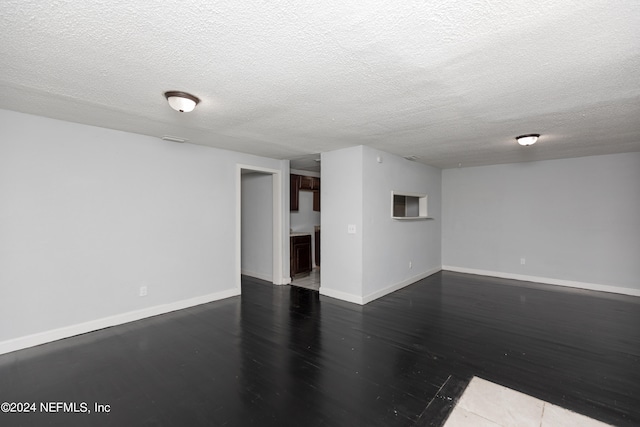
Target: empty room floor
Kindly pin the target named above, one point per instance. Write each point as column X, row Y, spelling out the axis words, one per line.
column 286, row 356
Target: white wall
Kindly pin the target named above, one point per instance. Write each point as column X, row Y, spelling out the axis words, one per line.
column 390, row 245
column 341, row 195
column 88, row 215
column 374, row 261
column 575, row 221
column 257, row 225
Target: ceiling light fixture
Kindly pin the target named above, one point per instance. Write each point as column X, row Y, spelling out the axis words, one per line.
column 181, row 101
column 527, row 140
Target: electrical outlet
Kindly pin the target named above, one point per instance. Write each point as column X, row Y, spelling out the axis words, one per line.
column 143, row 291
column 522, row 261
column 351, row 229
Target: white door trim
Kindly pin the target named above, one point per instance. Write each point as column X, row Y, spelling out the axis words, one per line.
column 278, row 222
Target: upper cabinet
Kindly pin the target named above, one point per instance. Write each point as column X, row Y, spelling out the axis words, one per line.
column 294, row 191
column 310, row 183
column 316, row 201
column 305, row 183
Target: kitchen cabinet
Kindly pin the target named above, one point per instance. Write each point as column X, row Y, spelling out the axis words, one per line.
column 310, row 183
column 294, row 192
column 300, row 255
column 304, row 183
column 316, row 201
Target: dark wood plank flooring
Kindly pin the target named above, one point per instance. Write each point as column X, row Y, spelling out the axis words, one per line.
column 285, row 356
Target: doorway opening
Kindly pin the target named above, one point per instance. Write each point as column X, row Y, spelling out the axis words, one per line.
column 259, row 224
column 304, row 223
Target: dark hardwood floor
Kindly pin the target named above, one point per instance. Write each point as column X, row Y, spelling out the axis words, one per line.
column 285, row 356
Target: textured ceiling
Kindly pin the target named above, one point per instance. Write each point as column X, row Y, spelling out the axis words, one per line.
column 449, row 82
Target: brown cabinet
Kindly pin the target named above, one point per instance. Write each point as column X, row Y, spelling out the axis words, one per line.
column 316, row 201
column 300, row 255
column 310, row 183
column 305, row 183
column 294, row 192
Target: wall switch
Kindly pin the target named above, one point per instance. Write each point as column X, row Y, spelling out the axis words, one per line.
column 522, row 261
column 410, row 264
column 351, row 229
column 143, row 291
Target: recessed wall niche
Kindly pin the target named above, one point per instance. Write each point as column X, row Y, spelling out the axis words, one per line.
column 408, row 206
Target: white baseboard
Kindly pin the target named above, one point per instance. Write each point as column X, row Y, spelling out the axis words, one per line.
column 377, row 294
column 382, row 292
column 283, row 281
column 260, row 276
column 547, row 280
column 340, row 295
column 105, row 322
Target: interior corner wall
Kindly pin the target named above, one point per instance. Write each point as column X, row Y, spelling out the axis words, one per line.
column 398, row 252
column 341, row 195
column 89, row 215
column 573, row 221
column 257, row 225
column 375, row 260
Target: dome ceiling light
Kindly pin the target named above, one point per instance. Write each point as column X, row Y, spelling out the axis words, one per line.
column 181, row 101
column 527, row 140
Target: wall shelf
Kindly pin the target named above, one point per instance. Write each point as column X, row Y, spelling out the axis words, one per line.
column 411, row 218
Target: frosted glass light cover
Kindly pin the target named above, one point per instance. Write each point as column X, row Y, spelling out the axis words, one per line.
column 184, row 105
column 527, row 139
column 181, row 101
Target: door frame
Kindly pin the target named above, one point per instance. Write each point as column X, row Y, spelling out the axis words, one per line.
column 278, row 223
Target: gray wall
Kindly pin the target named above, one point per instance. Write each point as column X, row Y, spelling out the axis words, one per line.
column 356, row 189
column 341, row 195
column 389, row 244
column 573, row 219
column 257, row 225
column 88, row 215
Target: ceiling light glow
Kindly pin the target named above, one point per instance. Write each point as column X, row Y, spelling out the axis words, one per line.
column 527, row 140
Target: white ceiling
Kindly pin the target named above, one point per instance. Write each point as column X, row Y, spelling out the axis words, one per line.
column 450, row 82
